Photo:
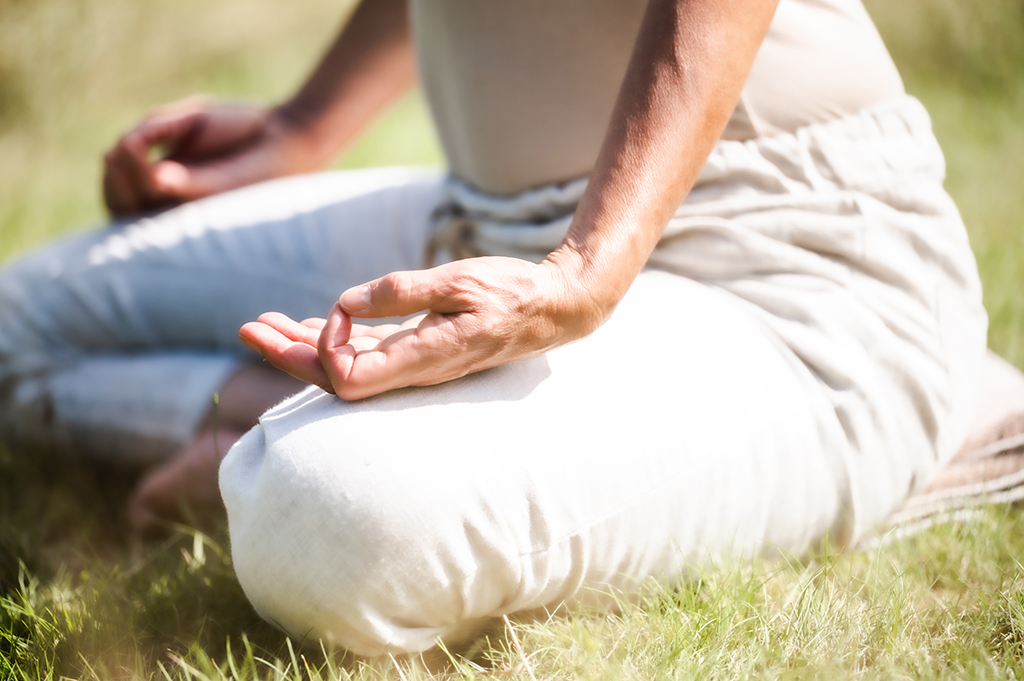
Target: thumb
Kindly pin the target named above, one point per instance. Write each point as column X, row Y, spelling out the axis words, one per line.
column 173, row 178
column 335, row 333
column 402, row 293
column 194, row 181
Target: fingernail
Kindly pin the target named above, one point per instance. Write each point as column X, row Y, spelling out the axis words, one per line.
column 355, row 299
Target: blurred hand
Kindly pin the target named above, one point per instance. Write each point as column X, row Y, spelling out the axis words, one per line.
column 481, row 312
column 205, row 148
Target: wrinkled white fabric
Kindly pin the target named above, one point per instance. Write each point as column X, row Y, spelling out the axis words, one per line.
column 800, row 355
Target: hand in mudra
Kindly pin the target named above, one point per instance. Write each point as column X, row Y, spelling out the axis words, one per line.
column 206, row 147
column 480, row 313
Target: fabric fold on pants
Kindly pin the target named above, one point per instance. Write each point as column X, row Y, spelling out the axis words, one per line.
column 799, row 355
column 842, row 240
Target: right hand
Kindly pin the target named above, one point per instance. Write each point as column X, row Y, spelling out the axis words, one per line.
column 207, row 148
column 479, row 313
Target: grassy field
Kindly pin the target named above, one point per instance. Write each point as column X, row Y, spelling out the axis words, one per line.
column 80, row 599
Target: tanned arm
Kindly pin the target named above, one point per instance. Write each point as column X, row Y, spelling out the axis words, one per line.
column 685, row 76
column 213, row 147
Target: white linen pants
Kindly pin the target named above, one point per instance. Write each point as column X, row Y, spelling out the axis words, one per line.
column 800, row 355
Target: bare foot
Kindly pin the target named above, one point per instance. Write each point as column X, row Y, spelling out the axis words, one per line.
column 184, row 489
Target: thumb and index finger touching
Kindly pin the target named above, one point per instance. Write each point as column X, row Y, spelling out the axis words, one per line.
column 321, row 352
column 134, row 183
column 400, row 357
column 131, row 182
column 329, row 354
column 210, row 150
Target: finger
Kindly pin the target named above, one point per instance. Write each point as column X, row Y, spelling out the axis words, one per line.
column 176, row 130
column 129, row 184
column 379, row 332
column 119, row 193
column 172, row 178
column 364, row 337
column 291, row 329
column 293, row 357
column 363, row 344
column 314, row 323
column 191, row 181
column 195, row 177
column 333, row 347
column 337, row 328
column 409, row 356
column 218, row 130
column 134, row 183
column 134, row 154
column 130, row 157
column 127, row 187
column 403, row 293
column 198, row 130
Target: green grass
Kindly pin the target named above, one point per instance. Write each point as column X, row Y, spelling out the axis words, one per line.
column 80, row 599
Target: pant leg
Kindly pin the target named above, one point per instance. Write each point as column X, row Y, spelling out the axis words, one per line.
column 114, row 341
column 808, row 363
column 682, row 430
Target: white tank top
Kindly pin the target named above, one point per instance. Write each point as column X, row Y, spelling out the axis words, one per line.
column 522, row 90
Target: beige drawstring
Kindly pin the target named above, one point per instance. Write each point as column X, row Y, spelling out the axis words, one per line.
column 454, row 232
column 470, row 224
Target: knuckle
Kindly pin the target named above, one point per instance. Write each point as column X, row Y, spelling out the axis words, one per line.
column 388, row 287
column 465, row 287
column 405, row 290
column 351, row 389
column 401, row 285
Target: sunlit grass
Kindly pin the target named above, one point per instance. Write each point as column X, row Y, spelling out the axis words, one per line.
column 80, row 599
column 946, row 604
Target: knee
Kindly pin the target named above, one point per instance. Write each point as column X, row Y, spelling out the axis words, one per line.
column 16, row 289
column 36, row 292
column 330, row 544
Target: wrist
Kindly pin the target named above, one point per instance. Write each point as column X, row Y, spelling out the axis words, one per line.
column 586, row 298
column 304, row 146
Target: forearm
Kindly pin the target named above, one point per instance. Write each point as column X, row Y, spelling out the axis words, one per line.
column 369, row 65
column 687, row 70
column 686, row 74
